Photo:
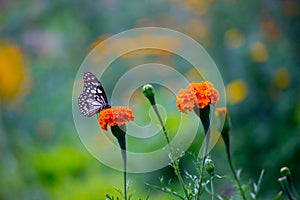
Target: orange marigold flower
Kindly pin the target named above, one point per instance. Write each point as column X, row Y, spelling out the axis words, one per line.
column 117, row 115
column 185, row 100
column 196, row 94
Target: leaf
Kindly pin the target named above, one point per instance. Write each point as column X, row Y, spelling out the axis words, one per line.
column 260, row 177
column 253, row 196
column 278, row 196
column 119, row 191
column 238, row 173
column 166, row 188
column 207, row 190
column 148, row 195
column 165, row 191
column 219, row 176
column 130, row 196
column 222, row 197
column 191, row 177
column 255, row 187
column 107, row 197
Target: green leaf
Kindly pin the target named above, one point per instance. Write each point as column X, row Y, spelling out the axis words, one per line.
column 260, row 177
column 148, row 195
column 256, row 187
column 238, row 173
column 107, row 197
column 278, row 196
column 222, row 197
column 219, row 176
column 166, row 189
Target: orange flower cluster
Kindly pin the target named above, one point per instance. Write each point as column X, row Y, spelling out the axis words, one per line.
column 196, row 94
column 117, row 115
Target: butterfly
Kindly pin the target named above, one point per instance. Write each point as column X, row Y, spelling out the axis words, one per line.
column 93, row 99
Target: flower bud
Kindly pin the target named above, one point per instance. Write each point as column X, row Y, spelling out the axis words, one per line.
column 284, row 171
column 209, row 166
column 223, row 113
column 148, row 91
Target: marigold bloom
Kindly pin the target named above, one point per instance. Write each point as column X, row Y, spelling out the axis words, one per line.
column 117, row 115
column 196, row 94
column 185, row 100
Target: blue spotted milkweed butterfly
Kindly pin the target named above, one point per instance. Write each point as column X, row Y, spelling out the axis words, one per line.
column 93, row 99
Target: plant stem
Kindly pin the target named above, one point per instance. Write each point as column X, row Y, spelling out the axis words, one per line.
column 173, row 159
column 122, row 143
column 121, row 137
column 289, row 193
column 285, row 187
column 203, row 114
column 234, row 174
column 291, row 187
column 201, row 170
column 212, row 189
column 203, row 162
column 124, row 156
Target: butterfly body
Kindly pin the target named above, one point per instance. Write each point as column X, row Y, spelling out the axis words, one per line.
column 93, row 99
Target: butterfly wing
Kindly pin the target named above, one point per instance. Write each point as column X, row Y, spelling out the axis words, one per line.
column 93, row 99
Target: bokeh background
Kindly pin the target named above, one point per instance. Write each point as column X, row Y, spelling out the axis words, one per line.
column 255, row 44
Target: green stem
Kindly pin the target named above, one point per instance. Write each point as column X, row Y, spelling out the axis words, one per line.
column 173, row 159
column 201, row 170
column 203, row 114
column 120, row 134
column 292, row 187
column 234, row 174
column 122, row 143
column 285, row 187
column 124, row 156
column 212, row 189
column 289, row 193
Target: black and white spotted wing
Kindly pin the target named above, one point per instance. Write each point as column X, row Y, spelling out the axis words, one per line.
column 93, row 99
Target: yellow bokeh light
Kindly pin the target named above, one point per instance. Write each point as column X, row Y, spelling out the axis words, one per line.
column 193, row 75
column 195, row 28
column 258, row 52
column 12, row 71
column 100, row 39
column 281, row 78
column 197, row 7
column 233, row 38
column 236, row 91
column 121, row 45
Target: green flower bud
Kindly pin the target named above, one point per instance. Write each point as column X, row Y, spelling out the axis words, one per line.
column 209, row 166
column 284, row 171
column 148, row 91
column 223, row 113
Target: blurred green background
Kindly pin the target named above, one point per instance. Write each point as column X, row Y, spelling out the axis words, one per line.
column 255, row 44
